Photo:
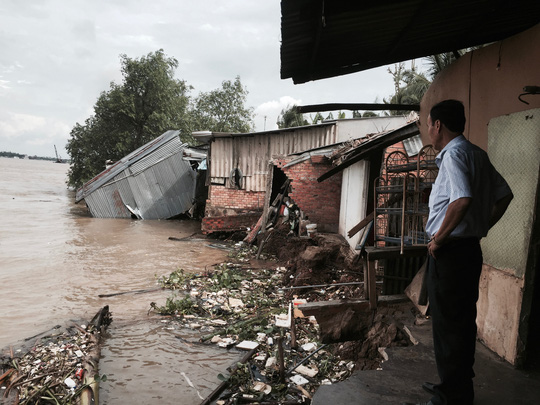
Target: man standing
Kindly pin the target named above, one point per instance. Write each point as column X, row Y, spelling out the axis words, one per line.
column 469, row 196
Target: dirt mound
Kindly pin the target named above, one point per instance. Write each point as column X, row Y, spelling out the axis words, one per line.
column 327, row 259
column 309, row 260
column 385, row 331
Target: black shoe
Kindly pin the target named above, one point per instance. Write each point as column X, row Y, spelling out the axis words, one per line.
column 430, row 387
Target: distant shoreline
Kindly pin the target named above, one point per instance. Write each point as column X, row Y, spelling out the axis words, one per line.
column 12, row 155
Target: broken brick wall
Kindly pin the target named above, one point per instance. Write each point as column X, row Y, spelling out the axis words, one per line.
column 231, row 209
column 320, row 202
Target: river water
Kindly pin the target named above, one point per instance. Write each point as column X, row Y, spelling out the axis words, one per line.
column 55, row 261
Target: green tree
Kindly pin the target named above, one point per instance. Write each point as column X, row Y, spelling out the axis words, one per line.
column 365, row 114
column 290, row 118
column 148, row 102
column 369, row 114
column 223, row 110
column 437, row 63
column 409, row 84
column 317, row 118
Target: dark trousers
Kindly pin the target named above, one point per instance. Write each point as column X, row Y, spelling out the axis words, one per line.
column 452, row 280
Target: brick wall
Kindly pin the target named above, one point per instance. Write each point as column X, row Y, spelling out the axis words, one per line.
column 230, row 209
column 237, row 222
column 236, row 199
column 320, row 202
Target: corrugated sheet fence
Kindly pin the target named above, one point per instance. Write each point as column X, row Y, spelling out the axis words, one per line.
column 251, row 154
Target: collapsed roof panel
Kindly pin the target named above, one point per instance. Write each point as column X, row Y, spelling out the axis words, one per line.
column 157, row 181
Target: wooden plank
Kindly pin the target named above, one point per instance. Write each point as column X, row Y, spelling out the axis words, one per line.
column 374, row 253
column 310, row 308
column 358, row 227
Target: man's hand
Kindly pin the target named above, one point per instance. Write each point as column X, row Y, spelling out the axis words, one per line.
column 432, row 246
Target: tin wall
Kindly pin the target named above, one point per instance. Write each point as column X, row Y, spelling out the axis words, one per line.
column 251, row 154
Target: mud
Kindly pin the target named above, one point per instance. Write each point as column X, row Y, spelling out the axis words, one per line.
column 326, row 259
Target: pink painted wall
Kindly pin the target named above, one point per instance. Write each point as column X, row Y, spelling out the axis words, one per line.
column 488, row 81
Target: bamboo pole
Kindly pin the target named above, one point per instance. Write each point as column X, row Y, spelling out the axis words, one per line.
column 224, row 384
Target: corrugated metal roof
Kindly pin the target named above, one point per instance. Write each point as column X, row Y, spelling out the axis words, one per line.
column 126, row 161
column 251, row 153
column 323, row 39
column 374, row 143
column 153, row 182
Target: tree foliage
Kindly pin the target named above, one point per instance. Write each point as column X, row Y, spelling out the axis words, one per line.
column 290, row 118
column 437, row 63
column 148, row 102
column 409, row 84
column 223, row 110
column 317, row 118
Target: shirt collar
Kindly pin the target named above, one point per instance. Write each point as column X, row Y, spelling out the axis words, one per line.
column 450, row 145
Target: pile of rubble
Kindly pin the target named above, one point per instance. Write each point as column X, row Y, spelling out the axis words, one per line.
column 255, row 309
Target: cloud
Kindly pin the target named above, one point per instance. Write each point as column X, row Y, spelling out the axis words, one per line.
column 15, row 125
column 59, row 55
column 32, row 132
column 267, row 113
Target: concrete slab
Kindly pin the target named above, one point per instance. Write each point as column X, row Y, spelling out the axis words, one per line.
column 401, row 377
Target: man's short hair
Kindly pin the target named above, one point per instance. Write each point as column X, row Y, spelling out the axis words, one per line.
column 451, row 113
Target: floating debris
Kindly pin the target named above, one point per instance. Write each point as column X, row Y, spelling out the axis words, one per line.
column 60, row 368
column 237, row 306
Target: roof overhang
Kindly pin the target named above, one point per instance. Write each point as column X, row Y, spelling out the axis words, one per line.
column 322, row 39
column 374, row 144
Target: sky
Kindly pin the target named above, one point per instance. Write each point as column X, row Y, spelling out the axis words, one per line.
column 57, row 56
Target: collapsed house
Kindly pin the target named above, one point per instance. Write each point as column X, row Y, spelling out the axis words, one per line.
column 246, row 171
column 156, row 181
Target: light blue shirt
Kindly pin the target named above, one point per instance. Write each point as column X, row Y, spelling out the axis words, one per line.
column 465, row 171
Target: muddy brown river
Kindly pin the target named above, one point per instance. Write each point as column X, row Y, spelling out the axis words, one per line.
column 55, row 261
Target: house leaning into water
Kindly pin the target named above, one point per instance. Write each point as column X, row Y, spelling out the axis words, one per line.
column 156, row 181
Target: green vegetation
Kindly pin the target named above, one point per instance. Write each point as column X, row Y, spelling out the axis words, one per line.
column 148, row 102
column 290, row 118
column 173, row 306
column 409, row 84
column 223, row 110
column 233, row 303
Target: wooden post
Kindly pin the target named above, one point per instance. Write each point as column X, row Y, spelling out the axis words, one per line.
column 372, row 285
column 268, row 194
column 281, row 359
